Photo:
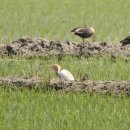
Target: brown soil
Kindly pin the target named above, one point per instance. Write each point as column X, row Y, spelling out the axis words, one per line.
column 102, row 87
column 43, row 47
column 19, row 82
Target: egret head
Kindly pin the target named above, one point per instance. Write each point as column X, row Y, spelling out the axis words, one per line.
column 55, row 67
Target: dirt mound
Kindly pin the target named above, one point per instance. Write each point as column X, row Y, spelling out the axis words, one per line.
column 43, row 47
column 22, row 82
column 103, row 87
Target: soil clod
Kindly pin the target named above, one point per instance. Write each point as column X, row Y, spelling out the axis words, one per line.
column 43, row 47
column 113, row 87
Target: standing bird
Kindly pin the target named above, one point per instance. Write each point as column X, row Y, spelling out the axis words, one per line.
column 63, row 74
column 84, row 32
column 125, row 41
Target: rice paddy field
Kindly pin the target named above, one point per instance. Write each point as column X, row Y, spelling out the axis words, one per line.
column 57, row 110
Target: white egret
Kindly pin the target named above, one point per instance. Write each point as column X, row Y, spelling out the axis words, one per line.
column 63, row 74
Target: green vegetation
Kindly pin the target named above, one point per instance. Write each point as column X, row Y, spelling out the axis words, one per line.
column 30, row 110
column 53, row 19
column 50, row 110
column 97, row 68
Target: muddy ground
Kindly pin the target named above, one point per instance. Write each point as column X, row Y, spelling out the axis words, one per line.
column 115, row 88
column 43, row 47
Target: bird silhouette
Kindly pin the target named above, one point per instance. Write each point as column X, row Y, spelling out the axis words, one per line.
column 84, row 32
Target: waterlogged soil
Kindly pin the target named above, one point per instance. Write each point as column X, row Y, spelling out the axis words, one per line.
column 102, row 87
column 42, row 47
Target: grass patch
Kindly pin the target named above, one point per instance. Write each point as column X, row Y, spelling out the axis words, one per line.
column 55, row 19
column 97, row 68
column 58, row 110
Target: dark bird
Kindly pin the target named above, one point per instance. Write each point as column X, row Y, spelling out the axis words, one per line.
column 125, row 41
column 84, row 32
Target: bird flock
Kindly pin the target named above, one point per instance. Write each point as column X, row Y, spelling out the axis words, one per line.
column 83, row 32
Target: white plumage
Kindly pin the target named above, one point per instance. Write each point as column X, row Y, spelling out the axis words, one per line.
column 63, row 74
column 66, row 75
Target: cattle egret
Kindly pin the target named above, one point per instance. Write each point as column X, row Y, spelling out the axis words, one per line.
column 63, row 74
column 125, row 41
column 84, row 32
